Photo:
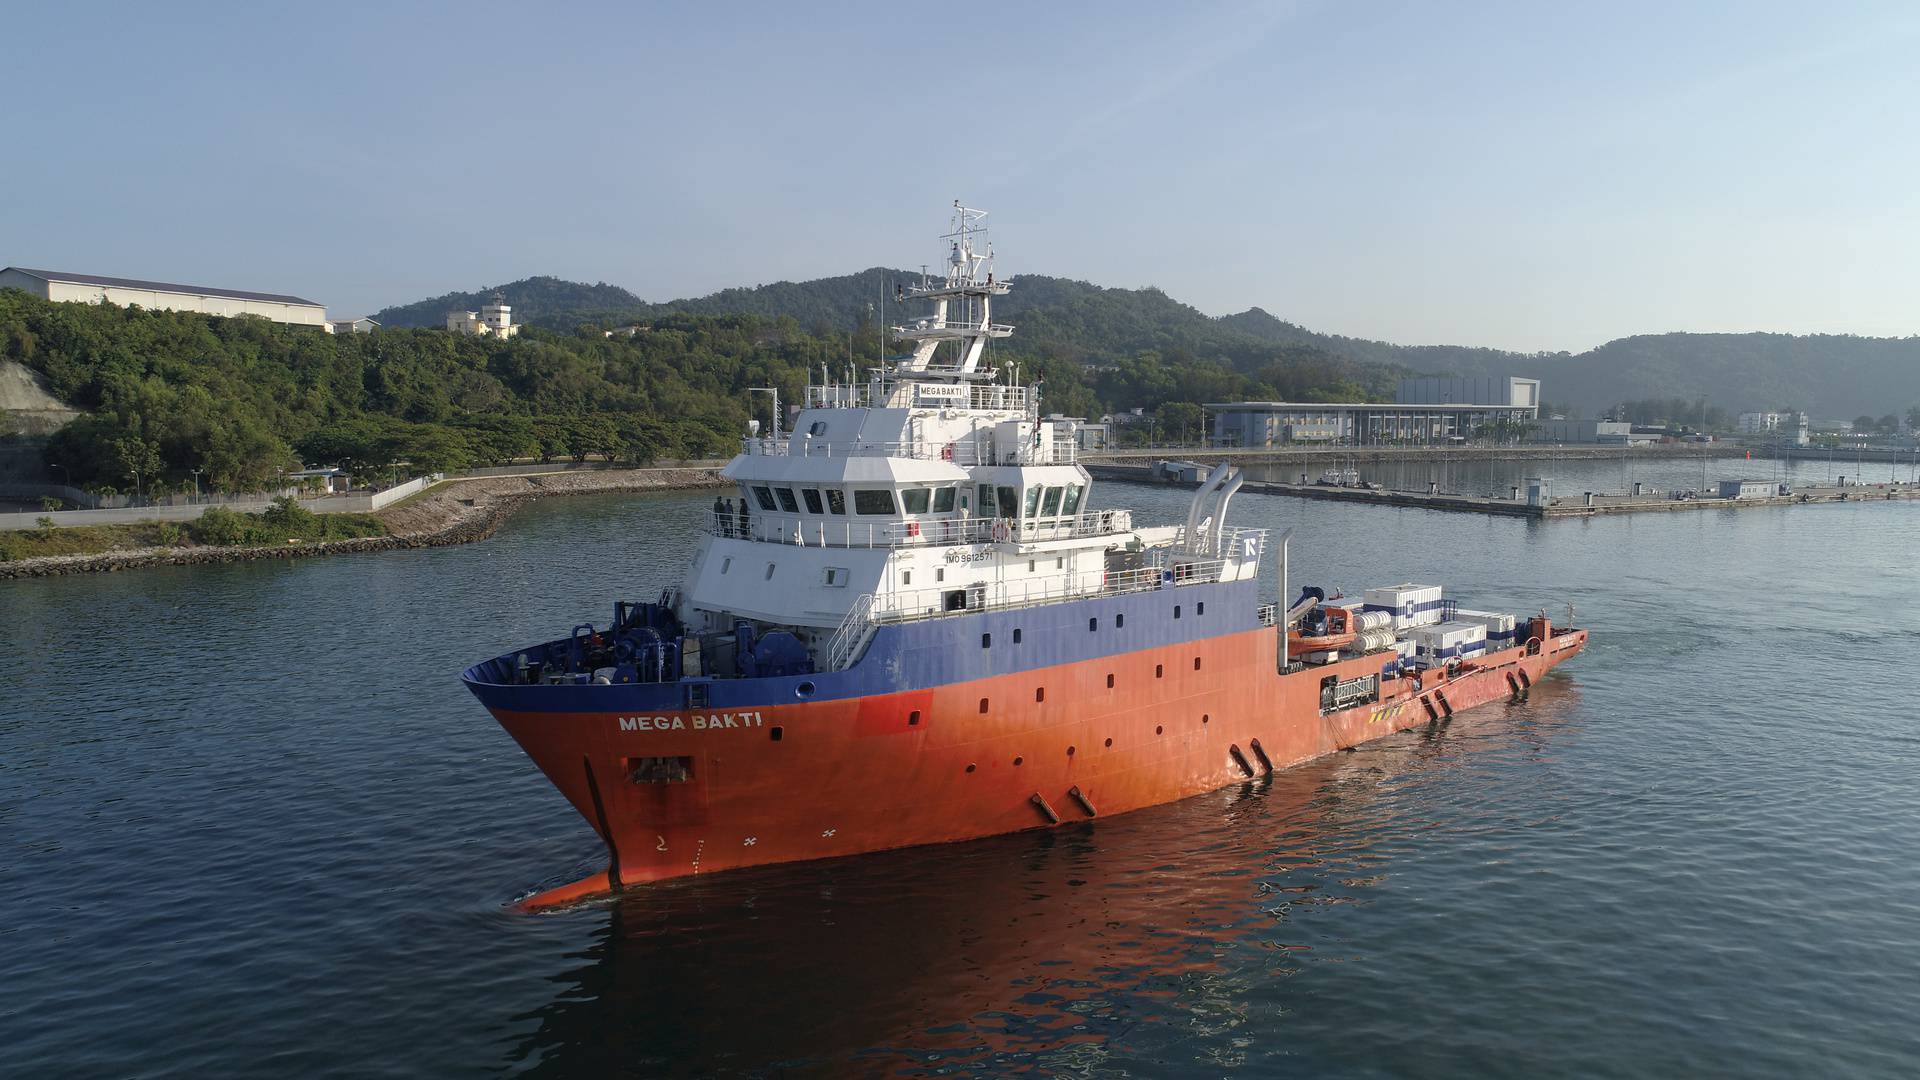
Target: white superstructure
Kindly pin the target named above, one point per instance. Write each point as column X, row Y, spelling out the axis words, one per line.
column 930, row 486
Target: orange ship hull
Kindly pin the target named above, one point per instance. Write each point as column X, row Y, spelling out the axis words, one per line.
column 812, row 780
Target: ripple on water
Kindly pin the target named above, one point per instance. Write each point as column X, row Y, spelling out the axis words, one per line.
column 253, row 825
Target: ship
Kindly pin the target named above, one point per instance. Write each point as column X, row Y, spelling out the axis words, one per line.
column 911, row 622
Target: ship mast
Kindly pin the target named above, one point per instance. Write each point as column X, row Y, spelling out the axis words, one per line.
column 962, row 305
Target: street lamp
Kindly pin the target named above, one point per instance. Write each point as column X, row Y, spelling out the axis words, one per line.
column 196, row 485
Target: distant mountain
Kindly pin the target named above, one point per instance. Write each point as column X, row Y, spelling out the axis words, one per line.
column 1828, row 375
column 534, row 300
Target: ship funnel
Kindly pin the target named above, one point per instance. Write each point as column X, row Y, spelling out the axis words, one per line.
column 1200, row 500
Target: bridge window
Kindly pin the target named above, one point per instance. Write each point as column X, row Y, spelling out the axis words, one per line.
column 836, row 501
column 1070, row 505
column 872, row 501
column 1033, row 501
column 916, row 500
column 1009, row 501
column 986, row 500
column 763, row 496
column 1051, row 507
column 812, row 497
column 943, row 500
column 787, row 502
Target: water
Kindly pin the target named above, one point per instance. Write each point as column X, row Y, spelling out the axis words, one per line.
column 251, row 824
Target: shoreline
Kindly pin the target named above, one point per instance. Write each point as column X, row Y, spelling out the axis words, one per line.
column 456, row 512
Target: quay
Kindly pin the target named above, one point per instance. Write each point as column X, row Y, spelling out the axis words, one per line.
column 1584, row 505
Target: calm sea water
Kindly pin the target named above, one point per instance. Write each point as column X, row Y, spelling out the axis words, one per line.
column 250, row 823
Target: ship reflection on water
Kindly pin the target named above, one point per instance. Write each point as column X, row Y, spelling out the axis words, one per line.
column 1069, row 947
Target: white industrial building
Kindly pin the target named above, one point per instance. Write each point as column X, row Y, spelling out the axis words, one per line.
column 161, row 296
column 1503, row 391
column 361, row 325
column 1792, row 425
column 1424, row 410
column 493, row 320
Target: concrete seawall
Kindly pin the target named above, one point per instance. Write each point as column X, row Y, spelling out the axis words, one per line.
column 1559, row 508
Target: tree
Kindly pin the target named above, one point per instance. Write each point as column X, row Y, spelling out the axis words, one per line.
column 1180, row 421
column 1863, row 424
column 136, row 458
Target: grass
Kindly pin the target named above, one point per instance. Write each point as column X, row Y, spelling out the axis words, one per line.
column 98, row 539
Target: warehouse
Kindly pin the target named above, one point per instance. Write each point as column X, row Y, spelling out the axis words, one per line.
column 161, row 296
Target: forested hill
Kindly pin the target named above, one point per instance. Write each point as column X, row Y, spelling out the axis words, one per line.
column 544, row 300
column 168, row 394
column 1828, row 375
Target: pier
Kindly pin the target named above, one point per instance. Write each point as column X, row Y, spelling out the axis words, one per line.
column 1584, row 505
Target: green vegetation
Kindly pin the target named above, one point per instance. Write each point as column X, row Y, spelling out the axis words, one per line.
column 1829, row 375
column 218, row 526
column 246, row 400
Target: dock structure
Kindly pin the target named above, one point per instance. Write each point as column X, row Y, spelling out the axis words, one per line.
column 1584, row 505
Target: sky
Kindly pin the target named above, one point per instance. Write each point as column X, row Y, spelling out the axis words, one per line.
column 1527, row 176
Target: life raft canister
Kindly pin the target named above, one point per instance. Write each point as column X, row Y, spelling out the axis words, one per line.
column 913, row 528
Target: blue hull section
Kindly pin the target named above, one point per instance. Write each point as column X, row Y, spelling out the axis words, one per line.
column 919, row 655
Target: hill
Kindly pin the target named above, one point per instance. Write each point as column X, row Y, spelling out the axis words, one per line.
column 543, row 300
column 1092, row 329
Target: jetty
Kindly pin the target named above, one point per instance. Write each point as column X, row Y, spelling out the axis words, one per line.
column 1730, row 495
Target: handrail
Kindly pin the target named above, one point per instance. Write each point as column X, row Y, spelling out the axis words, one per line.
column 852, row 634
column 964, row 451
column 807, row 530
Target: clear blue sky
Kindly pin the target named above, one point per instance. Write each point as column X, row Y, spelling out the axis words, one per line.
column 1496, row 174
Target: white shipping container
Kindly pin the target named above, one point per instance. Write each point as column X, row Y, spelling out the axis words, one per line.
column 1500, row 626
column 1410, row 605
column 1435, row 645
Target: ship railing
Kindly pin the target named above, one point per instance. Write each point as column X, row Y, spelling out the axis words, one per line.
column 950, row 328
column 899, row 392
column 964, row 452
column 911, row 605
column 850, row 639
column 841, row 532
column 1234, row 542
column 1269, row 614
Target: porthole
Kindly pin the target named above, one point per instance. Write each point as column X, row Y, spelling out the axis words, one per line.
column 1159, row 730
column 805, row 689
column 1196, row 663
column 1069, row 751
column 1092, row 625
column 1159, row 671
column 1039, row 694
column 913, row 718
column 1205, row 717
column 1109, row 680
column 971, row 766
column 775, row 732
column 986, row 641
column 1016, row 635
column 1200, row 607
column 1176, row 611
column 983, row 705
column 1119, row 621
column 1019, row 761
column 1109, row 742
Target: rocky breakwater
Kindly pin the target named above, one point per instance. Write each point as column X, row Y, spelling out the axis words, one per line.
column 456, row 512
